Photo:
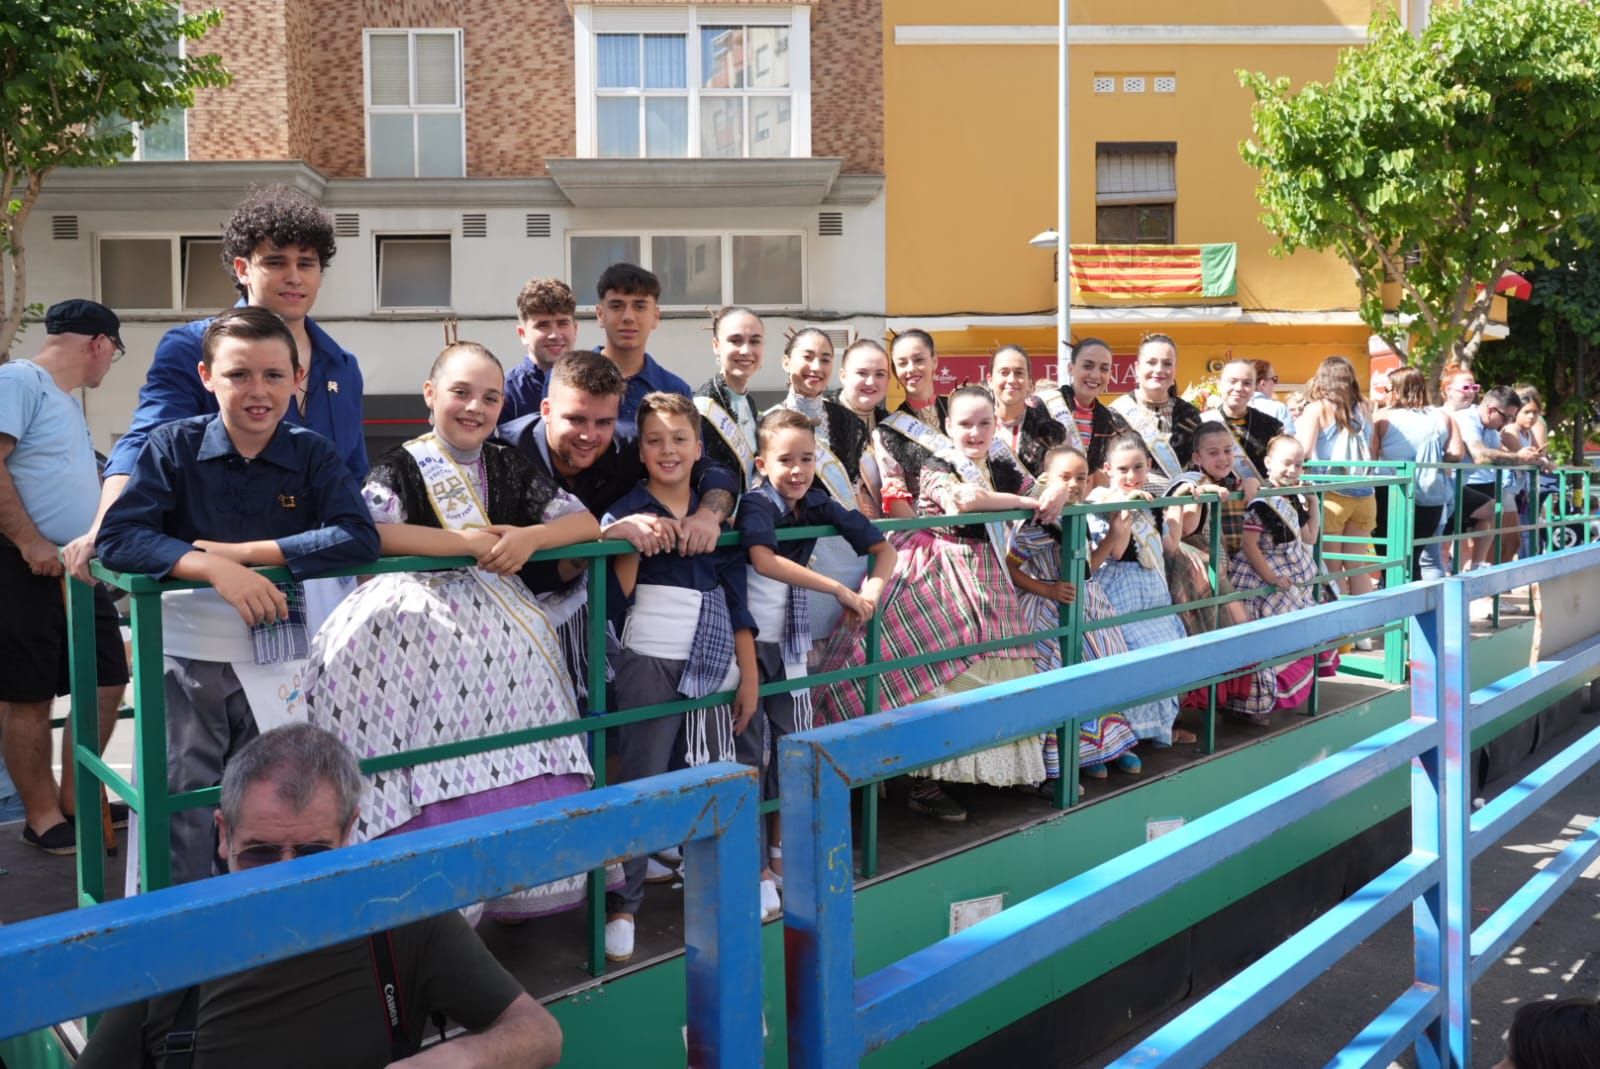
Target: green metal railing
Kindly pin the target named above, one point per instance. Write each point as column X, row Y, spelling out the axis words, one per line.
column 150, row 799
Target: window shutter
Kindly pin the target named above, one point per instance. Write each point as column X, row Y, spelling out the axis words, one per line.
column 1135, row 177
column 436, row 69
column 390, row 76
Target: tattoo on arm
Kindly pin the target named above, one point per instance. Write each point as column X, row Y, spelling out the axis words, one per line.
column 718, row 501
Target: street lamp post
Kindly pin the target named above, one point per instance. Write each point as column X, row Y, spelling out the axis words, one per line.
column 1063, row 206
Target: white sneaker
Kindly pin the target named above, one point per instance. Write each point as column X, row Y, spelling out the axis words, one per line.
column 771, row 904
column 656, row 872
column 1366, row 645
column 672, row 855
column 619, row 940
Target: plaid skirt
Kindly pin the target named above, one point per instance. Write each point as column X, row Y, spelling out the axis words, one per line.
column 1292, row 561
column 943, row 593
column 1104, row 738
column 1189, row 580
column 1128, row 587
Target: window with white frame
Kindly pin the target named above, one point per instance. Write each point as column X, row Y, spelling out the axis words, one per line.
column 762, row 269
column 416, row 124
column 413, row 271
column 165, row 139
column 162, row 273
column 705, row 82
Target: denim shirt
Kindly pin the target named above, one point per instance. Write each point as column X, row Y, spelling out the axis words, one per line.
column 172, row 390
column 190, row 483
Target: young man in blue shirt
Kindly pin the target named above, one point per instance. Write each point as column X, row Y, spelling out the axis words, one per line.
column 629, row 310
column 210, row 497
column 276, row 245
column 547, row 327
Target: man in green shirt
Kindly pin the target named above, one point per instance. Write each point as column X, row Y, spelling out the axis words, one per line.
column 291, row 792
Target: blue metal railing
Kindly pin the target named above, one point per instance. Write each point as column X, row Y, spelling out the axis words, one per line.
column 836, row 1018
column 84, row 961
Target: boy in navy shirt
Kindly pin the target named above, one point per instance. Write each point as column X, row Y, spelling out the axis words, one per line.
column 792, row 492
column 209, row 498
column 628, row 311
column 662, row 659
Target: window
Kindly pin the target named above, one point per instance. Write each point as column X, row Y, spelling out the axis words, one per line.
column 415, row 121
column 143, row 272
column 699, row 270
column 166, row 139
column 413, row 271
column 1136, row 193
column 693, row 82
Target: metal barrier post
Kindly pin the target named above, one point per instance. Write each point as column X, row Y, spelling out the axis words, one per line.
column 1440, row 812
column 595, row 640
column 869, row 793
column 150, row 742
column 818, row 909
column 84, row 732
column 1402, row 521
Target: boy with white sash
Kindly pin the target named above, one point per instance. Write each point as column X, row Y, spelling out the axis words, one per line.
column 209, row 498
column 788, row 496
column 662, row 659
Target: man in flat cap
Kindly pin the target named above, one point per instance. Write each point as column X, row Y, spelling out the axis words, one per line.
column 49, row 489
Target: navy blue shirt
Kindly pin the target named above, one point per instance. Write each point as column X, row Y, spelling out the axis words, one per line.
column 613, row 473
column 651, row 377
column 724, row 567
column 525, row 386
column 172, row 390
column 191, row 483
column 762, row 512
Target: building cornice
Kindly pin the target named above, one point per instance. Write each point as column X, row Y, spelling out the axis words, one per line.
column 697, row 183
column 179, row 184
column 443, row 193
column 1132, row 34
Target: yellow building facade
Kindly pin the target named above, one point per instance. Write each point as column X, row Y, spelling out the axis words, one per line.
column 971, row 163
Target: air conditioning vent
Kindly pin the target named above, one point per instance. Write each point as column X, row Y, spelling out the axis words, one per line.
column 64, row 227
column 538, row 225
column 841, row 338
column 475, row 225
column 347, row 224
column 830, row 224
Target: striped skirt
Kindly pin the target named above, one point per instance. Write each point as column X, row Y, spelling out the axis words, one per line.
column 943, row 593
column 1189, row 580
column 1104, row 738
column 1128, row 588
column 1292, row 561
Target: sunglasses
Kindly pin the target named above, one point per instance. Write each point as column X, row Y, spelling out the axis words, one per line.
column 1467, row 387
column 253, row 857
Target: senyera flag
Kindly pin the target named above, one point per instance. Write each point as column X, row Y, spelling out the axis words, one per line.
column 1155, row 270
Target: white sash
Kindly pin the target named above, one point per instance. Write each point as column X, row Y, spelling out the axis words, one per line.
column 655, row 628
column 1055, row 403
column 730, row 432
column 833, row 477
column 769, row 606
column 942, row 447
column 1243, row 466
column 454, row 497
column 1147, row 541
column 1142, row 420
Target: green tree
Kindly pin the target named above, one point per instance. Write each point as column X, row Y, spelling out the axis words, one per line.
column 1554, row 336
column 66, row 68
column 1437, row 162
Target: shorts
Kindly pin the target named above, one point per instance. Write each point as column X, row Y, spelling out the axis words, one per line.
column 1340, row 512
column 1473, row 497
column 33, row 633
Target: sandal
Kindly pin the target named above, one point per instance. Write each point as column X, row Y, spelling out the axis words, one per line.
column 59, row 840
column 1184, row 735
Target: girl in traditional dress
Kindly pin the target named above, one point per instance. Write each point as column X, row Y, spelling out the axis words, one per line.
column 863, row 388
column 1035, row 566
column 1275, row 551
column 739, row 341
column 948, row 587
column 1164, row 420
column 902, row 453
column 1024, row 424
column 1076, row 405
column 841, row 438
column 1215, row 471
column 1126, row 564
column 415, row 660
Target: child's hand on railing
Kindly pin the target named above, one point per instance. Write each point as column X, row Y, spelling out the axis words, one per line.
column 512, row 548
column 1062, row 592
column 1048, row 505
column 480, row 541
column 647, row 534
column 255, row 597
column 857, row 610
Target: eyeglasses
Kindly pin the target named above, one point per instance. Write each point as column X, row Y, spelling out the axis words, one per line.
column 253, row 857
column 1504, row 413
